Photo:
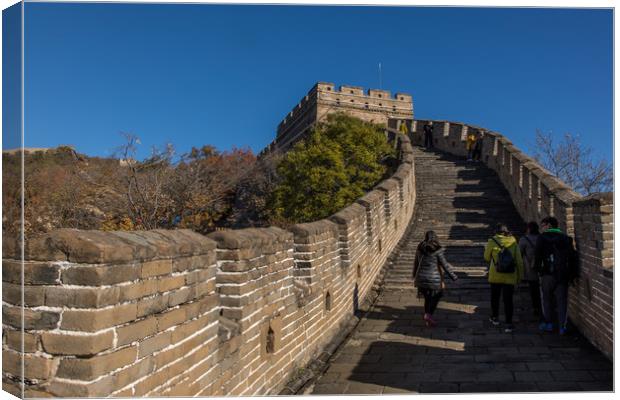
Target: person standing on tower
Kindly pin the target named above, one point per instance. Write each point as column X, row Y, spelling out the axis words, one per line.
column 428, row 135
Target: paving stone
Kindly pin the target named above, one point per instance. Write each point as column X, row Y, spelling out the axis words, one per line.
column 544, row 366
column 572, row 376
column 363, row 388
column 558, row 386
column 329, row 388
column 538, row 376
column 495, row 376
column 596, row 386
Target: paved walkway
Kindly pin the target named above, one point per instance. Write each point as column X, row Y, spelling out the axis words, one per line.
column 391, row 351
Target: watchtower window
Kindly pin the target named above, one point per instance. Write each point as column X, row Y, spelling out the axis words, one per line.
column 351, row 91
column 329, row 89
column 352, row 101
column 393, row 108
column 380, row 105
column 271, row 341
column 359, row 271
column 402, row 98
column 366, row 105
column 328, row 301
column 379, row 95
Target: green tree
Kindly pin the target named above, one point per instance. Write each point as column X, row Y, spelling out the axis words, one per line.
column 337, row 163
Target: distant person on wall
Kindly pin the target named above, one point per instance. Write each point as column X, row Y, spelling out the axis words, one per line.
column 557, row 263
column 505, row 272
column 477, row 153
column 403, row 128
column 470, row 143
column 428, row 269
column 428, row 135
column 527, row 246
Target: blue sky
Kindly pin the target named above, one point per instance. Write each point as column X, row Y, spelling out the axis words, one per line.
column 226, row 75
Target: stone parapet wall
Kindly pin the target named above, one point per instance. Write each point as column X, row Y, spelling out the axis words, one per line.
column 591, row 305
column 536, row 194
column 175, row 313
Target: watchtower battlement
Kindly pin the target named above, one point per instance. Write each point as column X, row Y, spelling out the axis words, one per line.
column 374, row 105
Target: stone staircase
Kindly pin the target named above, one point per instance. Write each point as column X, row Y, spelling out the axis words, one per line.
column 461, row 201
column 391, row 351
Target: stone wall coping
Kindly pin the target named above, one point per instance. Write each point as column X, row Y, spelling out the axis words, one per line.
column 388, row 185
column 98, row 247
column 596, row 199
column 313, row 228
column 349, row 213
column 371, row 198
column 250, row 237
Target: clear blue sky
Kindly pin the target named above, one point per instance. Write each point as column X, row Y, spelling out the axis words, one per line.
column 226, row 75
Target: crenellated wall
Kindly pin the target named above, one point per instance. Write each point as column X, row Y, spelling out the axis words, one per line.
column 175, row 313
column 536, row 194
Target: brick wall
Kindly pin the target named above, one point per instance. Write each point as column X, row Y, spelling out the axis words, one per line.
column 537, row 194
column 592, row 301
column 175, row 313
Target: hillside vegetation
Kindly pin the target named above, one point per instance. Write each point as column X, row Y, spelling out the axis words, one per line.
column 202, row 190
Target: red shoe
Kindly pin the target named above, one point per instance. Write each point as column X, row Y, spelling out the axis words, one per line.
column 429, row 320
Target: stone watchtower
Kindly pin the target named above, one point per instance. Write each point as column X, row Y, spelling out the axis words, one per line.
column 374, row 106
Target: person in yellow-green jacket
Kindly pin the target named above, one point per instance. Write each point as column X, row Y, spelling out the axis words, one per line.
column 470, row 144
column 505, row 272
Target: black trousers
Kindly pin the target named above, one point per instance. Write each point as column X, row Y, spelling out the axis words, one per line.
column 428, row 140
column 502, row 290
column 535, row 295
column 431, row 299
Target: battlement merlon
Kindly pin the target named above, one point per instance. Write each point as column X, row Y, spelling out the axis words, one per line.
column 326, row 92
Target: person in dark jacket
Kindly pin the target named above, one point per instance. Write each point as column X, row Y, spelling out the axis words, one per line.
column 478, row 147
column 429, row 267
column 556, row 262
column 428, row 135
column 527, row 245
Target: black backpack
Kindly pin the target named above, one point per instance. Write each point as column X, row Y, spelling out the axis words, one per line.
column 562, row 262
column 505, row 263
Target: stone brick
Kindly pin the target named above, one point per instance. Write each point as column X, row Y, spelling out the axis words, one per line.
column 100, row 274
column 171, row 318
column 153, row 344
column 33, row 295
column 35, row 367
column 156, row 268
column 15, row 339
column 152, row 305
column 138, row 290
column 81, row 345
column 94, row 320
column 169, row 283
column 38, row 320
column 195, row 262
column 90, row 368
column 81, row 297
column 136, row 330
column 99, row 388
column 181, row 296
column 35, row 273
column 139, row 370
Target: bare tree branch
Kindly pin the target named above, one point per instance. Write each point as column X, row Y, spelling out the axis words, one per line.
column 573, row 163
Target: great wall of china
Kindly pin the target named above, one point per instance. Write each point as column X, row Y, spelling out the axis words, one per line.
column 175, row 313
